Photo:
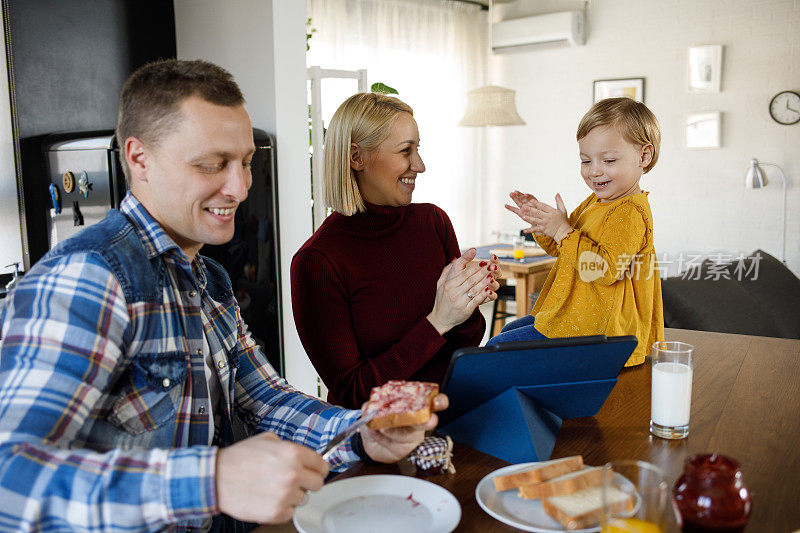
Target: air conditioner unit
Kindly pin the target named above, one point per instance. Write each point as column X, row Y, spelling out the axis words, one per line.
column 565, row 26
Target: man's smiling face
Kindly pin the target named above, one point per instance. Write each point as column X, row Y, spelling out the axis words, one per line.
column 195, row 176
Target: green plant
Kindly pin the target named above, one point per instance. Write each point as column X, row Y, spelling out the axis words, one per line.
column 379, row 87
column 309, row 33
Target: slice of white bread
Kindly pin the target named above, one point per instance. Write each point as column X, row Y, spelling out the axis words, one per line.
column 583, row 508
column 401, row 403
column 539, row 472
column 566, row 484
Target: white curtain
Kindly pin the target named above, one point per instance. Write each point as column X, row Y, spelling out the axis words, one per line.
column 432, row 52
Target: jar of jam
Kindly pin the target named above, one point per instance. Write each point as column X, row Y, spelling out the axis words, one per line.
column 711, row 496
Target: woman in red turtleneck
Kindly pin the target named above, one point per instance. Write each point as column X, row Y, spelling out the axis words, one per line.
column 380, row 290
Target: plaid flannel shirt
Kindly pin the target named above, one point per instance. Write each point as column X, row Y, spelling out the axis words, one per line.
column 103, row 399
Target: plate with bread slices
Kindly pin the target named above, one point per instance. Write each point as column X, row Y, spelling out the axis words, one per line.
column 386, row 503
column 546, row 496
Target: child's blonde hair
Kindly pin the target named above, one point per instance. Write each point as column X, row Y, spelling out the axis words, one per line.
column 637, row 124
column 365, row 119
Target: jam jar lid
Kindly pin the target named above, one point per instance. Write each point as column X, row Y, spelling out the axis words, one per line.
column 712, row 466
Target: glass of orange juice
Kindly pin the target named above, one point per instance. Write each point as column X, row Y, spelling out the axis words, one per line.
column 635, row 495
column 519, row 249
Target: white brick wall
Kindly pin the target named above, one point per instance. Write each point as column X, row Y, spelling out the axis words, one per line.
column 698, row 196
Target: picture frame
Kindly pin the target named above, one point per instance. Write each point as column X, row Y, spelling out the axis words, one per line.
column 630, row 87
column 705, row 69
column 704, row 130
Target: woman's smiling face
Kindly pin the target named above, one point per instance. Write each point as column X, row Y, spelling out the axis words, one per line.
column 390, row 171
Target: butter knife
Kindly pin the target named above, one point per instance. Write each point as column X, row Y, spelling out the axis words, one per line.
column 345, row 435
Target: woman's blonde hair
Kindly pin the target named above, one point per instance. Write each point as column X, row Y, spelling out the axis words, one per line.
column 364, row 119
column 637, row 124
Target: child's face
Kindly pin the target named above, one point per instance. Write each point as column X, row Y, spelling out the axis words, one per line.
column 610, row 165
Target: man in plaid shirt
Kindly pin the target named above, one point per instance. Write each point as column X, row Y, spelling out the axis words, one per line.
column 125, row 365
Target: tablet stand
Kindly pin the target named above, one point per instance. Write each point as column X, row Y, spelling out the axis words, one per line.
column 500, row 409
column 510, row 426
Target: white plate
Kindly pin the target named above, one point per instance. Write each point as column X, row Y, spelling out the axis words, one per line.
column 381, row 503
column 509, row 508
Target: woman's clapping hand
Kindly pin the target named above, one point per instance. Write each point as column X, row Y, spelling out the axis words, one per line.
column 463, row 286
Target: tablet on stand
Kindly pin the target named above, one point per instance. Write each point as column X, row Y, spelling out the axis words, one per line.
column 508, row 399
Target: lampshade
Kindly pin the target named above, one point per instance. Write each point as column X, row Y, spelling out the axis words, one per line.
column 755, row 178
column 491, row 106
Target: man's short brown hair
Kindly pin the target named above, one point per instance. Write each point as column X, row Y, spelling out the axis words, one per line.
column 634, row 121
column 151, row 98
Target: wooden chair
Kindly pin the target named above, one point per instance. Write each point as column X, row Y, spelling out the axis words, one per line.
column 506, row 293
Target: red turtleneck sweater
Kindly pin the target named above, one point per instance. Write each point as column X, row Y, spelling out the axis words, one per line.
column 361, row 288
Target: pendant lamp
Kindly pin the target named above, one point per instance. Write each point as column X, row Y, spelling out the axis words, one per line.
column 491, row 105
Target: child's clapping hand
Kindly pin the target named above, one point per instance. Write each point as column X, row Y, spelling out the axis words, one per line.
column 543, row 218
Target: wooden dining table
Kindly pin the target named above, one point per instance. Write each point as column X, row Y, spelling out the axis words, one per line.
column 529, row 274
column 745, row 404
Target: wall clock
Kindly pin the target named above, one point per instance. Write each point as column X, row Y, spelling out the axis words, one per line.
column 784, row 108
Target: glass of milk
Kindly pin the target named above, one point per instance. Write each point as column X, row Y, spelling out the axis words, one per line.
column 671, row 396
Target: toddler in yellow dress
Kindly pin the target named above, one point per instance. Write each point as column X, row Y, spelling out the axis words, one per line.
column 605, row 280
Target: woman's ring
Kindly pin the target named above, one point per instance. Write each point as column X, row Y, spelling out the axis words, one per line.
column 470, row 295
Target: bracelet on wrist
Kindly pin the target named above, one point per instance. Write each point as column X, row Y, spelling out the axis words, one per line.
column 357, row 444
